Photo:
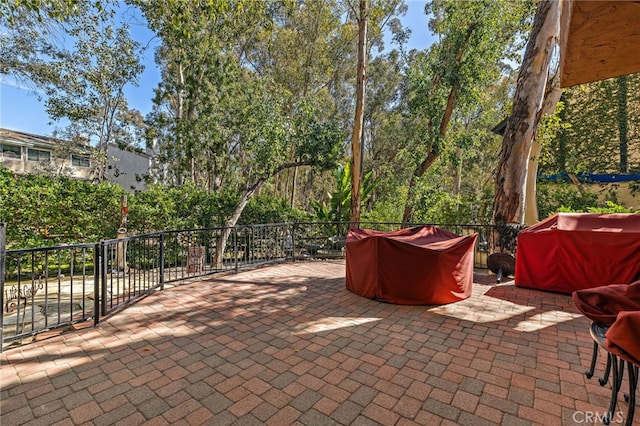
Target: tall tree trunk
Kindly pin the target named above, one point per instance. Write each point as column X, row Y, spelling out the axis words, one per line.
column 179, row 117
column 531, row 206
column 294, row 180
column 358, row 122
column 623, row 122
column 442, row 131
column 432, row 155
column 511, row 179
column 221, row 244
column 551, row 97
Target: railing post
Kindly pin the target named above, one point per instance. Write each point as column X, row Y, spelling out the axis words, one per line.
column 3, row 253
column 103, row 276
column 235, row 248
column 96, row 283
column 293, row 241
column 162, row 261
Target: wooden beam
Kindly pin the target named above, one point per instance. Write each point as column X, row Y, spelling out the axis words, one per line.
column 599, row 40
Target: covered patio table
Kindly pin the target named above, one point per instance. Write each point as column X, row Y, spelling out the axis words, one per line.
column 574, row 251
column 416, row 266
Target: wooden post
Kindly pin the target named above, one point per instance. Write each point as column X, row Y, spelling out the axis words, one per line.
column 121, row 248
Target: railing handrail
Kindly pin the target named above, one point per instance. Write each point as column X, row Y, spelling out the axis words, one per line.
column 262, row 225
column 103, row 276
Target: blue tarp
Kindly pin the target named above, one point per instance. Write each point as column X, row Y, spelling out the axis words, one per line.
column 590, row 178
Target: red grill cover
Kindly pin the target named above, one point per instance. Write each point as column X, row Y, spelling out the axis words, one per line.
column 574, row 251
column 417, row 266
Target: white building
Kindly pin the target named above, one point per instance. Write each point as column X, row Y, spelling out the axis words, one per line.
column 25, row 153
column 129, row 169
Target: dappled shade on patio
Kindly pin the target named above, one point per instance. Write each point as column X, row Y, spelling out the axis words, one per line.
column 573, row 251
column 416, row 266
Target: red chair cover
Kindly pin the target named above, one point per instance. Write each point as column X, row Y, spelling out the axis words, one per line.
column 602, row 304
column 623, row 337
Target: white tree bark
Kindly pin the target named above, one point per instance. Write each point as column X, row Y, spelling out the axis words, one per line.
column 551, row 98
column 358, row 122
column 511, row 180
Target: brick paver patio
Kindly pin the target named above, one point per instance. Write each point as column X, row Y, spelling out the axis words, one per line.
column 288, row 344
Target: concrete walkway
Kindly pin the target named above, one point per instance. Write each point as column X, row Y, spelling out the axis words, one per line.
column 288, row 344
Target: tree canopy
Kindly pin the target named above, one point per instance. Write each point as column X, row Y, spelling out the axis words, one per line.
column 262, row 97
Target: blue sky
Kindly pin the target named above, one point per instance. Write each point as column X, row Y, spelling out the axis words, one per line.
column 20, row 109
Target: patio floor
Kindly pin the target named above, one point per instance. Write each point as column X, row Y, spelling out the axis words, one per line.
column 288, row 344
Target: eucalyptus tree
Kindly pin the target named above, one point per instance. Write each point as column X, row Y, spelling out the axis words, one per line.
column 265, row 133
column 227, row 121
column 31, row 33
column 202, row 45
column 369, row 17
column 309, row 53
column 87, row 85
column 80, row 65
column 14, row 11
column 361, row 15
column 474, row 37
column 384, row 132
column 457, row 187
column 534, row 96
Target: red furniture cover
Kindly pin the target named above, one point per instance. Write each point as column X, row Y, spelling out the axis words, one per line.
column 602, row 304
column 574, row 251
column 416, row 266
column 622, row 337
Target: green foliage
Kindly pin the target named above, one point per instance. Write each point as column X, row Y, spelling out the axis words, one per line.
column 86, row 84
column 316, row 141
column 338, row 209
column 14, row 10
column 595, row 114
column 163, row 208
column 610, row 207
column 438, row 206
column 79, row 62
column 268, row 209
column 339, row 200
column 446, row 83
column 209, row 112
column 43, row 211
column 555, row 197
column 384, row 211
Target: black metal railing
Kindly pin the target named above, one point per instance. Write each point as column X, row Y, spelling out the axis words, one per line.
column 322, row 239
column 44, row 288
column 53, row 287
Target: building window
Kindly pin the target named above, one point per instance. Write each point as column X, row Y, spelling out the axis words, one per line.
column 10, row 151
column 79, row 160
column 38, row 155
